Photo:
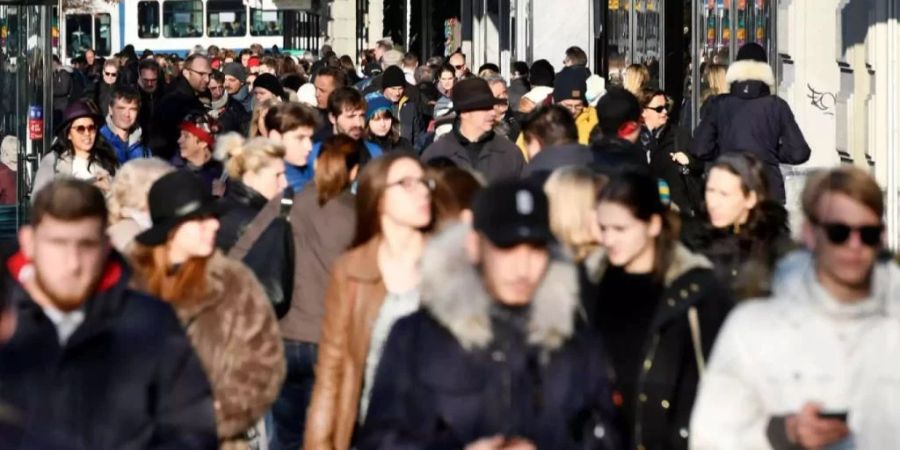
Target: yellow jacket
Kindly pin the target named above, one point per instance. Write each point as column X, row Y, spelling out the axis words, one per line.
column 585, row 122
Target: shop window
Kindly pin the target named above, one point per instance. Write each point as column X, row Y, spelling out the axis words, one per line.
column 226, row 18
column 183, row 18
column 148, row 19
column 266, row 22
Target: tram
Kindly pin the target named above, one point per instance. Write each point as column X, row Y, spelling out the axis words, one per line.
column 172, row 26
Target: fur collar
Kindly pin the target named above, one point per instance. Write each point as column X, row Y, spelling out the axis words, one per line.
column 750, row 71
column 683, row 261
column 224, row 282
column 454, row 294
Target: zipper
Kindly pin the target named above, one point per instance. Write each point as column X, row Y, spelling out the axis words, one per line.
column 642, row 397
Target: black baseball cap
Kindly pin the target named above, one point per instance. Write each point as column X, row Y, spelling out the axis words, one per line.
column 513, row 212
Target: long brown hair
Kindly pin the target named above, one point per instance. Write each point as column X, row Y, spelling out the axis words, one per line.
column 372, row 184
column 333, row 166
column 151, row 264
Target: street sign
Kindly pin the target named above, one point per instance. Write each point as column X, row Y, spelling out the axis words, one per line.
column 35, row 123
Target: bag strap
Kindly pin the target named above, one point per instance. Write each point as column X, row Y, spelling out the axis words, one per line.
column 694, row 322
column 254, row 230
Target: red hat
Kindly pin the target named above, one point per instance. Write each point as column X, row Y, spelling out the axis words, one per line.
column 252, row 62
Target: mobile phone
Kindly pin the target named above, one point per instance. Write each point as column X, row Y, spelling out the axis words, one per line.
column 834, row 415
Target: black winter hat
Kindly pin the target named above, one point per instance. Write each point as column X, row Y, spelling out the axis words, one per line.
column 541, row 73
column 753, row 52
column 393, row 77
column 176, row 198
column 571, row 83
column 615, row 108
column 513, row 212
column 270, row 83
column 292, row 82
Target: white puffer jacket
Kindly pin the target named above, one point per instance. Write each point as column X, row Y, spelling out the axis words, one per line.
column 773, row 356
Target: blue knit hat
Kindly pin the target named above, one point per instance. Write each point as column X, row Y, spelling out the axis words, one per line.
column 375, row 103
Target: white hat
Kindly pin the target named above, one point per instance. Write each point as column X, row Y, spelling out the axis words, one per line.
column 596, row 88
column 307, row 95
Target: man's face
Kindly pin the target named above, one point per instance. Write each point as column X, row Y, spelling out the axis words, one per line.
column 90, row 57
column 394, row 94
column 848, row 263
column 216, row 89
column 575, row 106
column 351, row 122
column 511, row 275
column 324, row 88
column 459, row 64
column 500, row 92
column 297, row 144
column 245, row 59
column 68, row 258
column 149, row 80
column 482, row 120
column 198, row 74
column 232, row 85
column 124, row 113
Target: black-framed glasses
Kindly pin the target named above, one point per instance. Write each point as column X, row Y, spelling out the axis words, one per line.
column 409, row 183
column 838, row 233
column 658, row 109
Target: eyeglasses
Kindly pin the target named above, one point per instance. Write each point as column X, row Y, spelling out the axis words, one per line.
column 82, row 129
column 658, row 109
column 202, row 74
column 838, row 233
column 410, row 183
column 110, row 74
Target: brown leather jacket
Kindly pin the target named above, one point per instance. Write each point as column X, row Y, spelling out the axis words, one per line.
column 354, row 297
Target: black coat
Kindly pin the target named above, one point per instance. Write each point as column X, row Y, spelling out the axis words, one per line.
column 743, row 259
column 173, row 107
column 751, row 119
column 667, row 380
column 549, row 159
column 149, row 104
column 128, row 378
column 614, row 155
column 272, row 256
column 494, row 156
column 685, row 182
column 234, row 118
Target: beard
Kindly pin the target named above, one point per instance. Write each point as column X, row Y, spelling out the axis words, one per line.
column 67, row 301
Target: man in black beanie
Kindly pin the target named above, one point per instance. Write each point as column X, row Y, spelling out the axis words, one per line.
column 619, row 127
column 569, row 92
column 393, row 87
column 751, row 119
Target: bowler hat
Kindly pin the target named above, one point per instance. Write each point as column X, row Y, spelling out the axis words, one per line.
column 77, row 110
column 474, row 94
column 176, row 198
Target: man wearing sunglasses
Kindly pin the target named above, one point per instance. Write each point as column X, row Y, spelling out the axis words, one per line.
column 183, row 98
column 458, row 61
column 814, row 366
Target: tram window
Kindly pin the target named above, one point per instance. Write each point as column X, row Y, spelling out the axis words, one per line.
column 183, row 18
column 148, row 19
column 226, row 18
column 266, row 22
column 103, row 34
column 79, row 36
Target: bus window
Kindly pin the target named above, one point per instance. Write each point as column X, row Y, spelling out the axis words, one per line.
column 265, row 22
column 78, row 34
column 183, row 18
column 103, row 34
column 226, row 18
column 148, row 19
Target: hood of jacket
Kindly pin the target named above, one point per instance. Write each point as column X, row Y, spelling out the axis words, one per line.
column 795, row 280
column 242, row 194
column 454, row 294
column 683, row 261
column 134, row 134
column 750, row 79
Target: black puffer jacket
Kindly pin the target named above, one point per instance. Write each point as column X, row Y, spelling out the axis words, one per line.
column 751, row 119
column 744, row 259
column 271, row 257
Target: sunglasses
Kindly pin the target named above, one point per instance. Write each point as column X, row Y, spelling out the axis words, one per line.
column 82, row 129
column 459, row 67
column 110, row 74
column 838, row 233
column 658, row 109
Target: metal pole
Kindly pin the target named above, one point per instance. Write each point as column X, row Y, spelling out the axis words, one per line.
column 695, row 62
column 661, row 41
column 893, row 141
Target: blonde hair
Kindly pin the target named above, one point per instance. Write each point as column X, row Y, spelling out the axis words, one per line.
column 131, row 186
column 714, row 75
column 258, row 110
column 572, row 193
column 635, row 78
column 243, row 156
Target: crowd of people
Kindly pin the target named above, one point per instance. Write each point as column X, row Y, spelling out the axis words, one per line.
column 251, row 250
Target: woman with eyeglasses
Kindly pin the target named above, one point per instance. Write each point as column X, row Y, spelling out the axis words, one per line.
column 76, row 151
column 666, row 147
column 372, row 285
column 107, row 85
column 743, row 231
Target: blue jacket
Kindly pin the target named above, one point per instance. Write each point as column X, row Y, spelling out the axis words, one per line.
column 125, row 151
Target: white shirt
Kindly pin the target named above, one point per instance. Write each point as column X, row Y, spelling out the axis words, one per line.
column 66, row 323
column 80, row 169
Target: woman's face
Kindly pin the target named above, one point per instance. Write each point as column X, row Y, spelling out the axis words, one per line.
column 625, row 237
column 447, row 80
column 297, row 144
column 269, row 180
column 380, row 125
column 407, row 199
column 261, row 123
column 656, row 113
column 82, row 134
column 725, row 199
column 195, row 238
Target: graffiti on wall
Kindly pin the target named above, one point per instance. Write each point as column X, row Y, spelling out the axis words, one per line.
column 823, row 101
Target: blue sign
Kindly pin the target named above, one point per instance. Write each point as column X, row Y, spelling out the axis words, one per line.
column 35, row 112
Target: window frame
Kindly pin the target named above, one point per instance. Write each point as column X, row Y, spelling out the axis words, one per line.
column 242, row 14
column 107, row 51
column 252, row 29
column 70, row 50
column 201, row 11
column 157, row 16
